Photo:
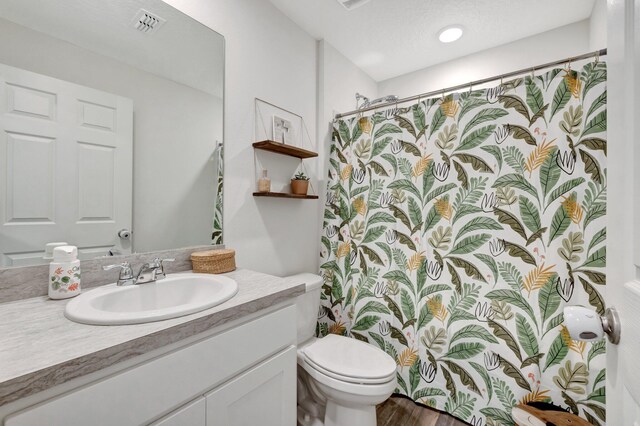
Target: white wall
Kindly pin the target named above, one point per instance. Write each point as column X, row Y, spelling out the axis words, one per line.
column 598, row 25
column 269, row 57
column 546, row 47
column 338, row 81
column 172, row 186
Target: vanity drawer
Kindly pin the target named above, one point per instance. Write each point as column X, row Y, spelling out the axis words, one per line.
column 154, row 388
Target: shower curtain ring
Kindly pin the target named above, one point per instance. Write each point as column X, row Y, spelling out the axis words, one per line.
column 597, row 56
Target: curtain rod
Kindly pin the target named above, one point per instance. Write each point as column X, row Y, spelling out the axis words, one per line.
column 597, row 54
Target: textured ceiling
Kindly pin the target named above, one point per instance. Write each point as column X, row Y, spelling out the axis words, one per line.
column 182, row 50
column 387, row 38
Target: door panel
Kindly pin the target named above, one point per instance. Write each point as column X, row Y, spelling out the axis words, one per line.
column 192, row 414
column 623, row 201
column 68, row 151
column 264, row 395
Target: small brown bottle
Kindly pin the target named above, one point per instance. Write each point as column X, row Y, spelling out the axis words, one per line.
column 264, row 183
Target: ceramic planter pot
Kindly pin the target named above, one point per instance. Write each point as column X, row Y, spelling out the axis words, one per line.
column 299, row 187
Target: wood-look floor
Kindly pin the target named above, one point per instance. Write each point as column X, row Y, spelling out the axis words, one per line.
column 399, row 411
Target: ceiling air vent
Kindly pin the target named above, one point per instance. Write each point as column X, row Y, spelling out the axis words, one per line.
column 147, row 22
column 352, row 4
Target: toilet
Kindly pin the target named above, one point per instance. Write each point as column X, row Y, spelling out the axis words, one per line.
column 340, row 380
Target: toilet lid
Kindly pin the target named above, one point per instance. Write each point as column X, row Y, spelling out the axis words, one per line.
column 350, row 359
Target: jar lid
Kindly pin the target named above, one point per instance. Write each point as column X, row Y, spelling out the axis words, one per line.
column 65, row 254
column 48, row 249
column 221, row 253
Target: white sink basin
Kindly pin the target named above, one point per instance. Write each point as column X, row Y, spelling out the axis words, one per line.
column 174, row 296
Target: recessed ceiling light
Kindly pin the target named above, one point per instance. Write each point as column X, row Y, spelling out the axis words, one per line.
column 450, row 34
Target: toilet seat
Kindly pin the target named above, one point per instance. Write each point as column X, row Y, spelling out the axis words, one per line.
column 349, row 360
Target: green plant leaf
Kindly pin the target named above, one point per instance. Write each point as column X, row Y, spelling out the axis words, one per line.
column 405, row 185
column 598, row 102
column 464, row 350
column 530, row 214
column 476, row 162
column 597, row 260
column 518, row 251
column 373, row 234
column 488, row 260
column 386, row 129
column 597, row 348
column 470, row 244
column 365, row 322
column 556, row 353
column 408, row 306
column 595, row 299
column 514, row 298
column 400, row 215
column 488, row 114
column 559, row 223
column 465, row 378
column 573, row 378
column 415, row 213
column 596, row 125
column 514, row 102
column 564, row 188
column 437, row 121
column 427, row 392
column 505, row 335
column 472, row 331
column 513, row 372
column 496, row 414
column 517, row 181
column 522, row 133
column 549, row 173
column 526, row 336
column 463, row 177
column 591, row 166
column 469, row 268
column 548, row 299
column 373, row 306
column 595, row 144
column 560, row 97
column 511, row 220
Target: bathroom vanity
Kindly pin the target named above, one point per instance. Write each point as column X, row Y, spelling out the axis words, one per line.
column 231, row 364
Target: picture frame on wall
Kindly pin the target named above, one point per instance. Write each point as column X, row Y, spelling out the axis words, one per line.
column 278, row 124
column 283, row 131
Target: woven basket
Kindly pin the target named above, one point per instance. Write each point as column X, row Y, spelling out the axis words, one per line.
column 214, row 261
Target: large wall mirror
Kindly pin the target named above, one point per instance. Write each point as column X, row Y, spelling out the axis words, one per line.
column 111, row 128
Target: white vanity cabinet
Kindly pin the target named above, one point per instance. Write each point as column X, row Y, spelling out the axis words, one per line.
column 261, row 396
column 193, row 413
column 244, row 375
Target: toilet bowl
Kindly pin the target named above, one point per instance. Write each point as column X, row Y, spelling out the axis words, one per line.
column 340, row 380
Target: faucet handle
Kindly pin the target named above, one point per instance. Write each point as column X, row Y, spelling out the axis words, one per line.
column 158, row 262
column 124, row 266
column 126, row 272
column 159, row 265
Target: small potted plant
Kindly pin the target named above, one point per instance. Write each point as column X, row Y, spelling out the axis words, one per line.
column 300, row 184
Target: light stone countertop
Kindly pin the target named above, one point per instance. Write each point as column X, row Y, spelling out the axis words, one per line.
column 40, row 348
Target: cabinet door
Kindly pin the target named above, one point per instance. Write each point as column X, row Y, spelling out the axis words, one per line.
column 265, row 395
column 192, row 414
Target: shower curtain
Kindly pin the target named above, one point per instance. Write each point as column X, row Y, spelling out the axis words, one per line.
column 457, row 229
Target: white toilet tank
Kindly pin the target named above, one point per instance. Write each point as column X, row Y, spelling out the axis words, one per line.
column 307, row 305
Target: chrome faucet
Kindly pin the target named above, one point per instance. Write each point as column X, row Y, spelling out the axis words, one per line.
column 148, row 273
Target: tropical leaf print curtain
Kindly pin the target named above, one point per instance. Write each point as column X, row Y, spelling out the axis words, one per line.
column 457, row 229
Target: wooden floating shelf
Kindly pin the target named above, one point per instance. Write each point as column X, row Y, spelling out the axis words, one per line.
column 285, row 195
column 281, row 148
